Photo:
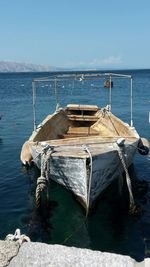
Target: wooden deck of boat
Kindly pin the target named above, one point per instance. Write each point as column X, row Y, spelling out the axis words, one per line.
column 88, row 140
column 76, row 147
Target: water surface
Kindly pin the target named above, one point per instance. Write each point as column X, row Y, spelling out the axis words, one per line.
column 109, row 228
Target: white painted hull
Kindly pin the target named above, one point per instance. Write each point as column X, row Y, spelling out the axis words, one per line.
column 72, row 171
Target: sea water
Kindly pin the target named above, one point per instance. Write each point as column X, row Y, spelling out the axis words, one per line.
column 109, row 228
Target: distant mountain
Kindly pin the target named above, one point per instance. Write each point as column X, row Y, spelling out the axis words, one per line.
column 6, row 66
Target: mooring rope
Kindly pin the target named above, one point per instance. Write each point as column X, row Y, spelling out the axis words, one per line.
column 109, row 116
column 43, row 180
column 132, row 208
column 17, row 237
column 121, row 156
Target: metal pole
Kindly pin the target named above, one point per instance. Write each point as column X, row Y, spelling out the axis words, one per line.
column 110, row 93
column 34, row 97
column 131, row 96
column 56, row 96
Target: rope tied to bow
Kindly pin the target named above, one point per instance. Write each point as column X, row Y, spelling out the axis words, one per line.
column 43, row 180
column 133, row 209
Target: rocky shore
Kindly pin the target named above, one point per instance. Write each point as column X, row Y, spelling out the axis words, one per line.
column 31, row 254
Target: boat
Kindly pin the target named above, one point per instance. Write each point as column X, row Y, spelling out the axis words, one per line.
column 82, row 147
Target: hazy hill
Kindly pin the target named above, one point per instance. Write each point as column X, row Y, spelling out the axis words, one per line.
column 6, row 66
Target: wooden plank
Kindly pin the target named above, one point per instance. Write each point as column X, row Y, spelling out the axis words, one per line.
column 76, row 135
column 82, row 118
column 82, row 130
column 82, row 107
column 86, row 140
column 79, row 132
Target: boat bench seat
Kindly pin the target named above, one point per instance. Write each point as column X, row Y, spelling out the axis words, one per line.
column 82, row 117
column 82, row 107
column 82, row 112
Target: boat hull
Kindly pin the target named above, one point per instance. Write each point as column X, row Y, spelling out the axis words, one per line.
column 88, row 176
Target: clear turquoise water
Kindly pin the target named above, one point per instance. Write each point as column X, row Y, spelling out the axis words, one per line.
column 109, row 227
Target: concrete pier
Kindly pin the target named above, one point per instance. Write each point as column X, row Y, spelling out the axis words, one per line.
column 31, row 254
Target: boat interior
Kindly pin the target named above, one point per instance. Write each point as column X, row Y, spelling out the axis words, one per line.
column 81, row 121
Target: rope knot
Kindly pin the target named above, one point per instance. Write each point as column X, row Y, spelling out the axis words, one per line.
column 17, row 237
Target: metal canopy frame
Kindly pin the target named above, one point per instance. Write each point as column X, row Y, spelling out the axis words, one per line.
column 82, row 77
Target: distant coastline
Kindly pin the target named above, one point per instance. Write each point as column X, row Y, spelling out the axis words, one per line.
column 8, row 66
column 18, row 67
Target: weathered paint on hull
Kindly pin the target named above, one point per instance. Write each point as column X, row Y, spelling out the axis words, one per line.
column 71, row 172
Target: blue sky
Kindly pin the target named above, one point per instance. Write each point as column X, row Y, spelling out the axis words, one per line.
column 76, row 33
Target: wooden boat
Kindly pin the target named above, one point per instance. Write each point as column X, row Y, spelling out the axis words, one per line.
column 82, row 147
